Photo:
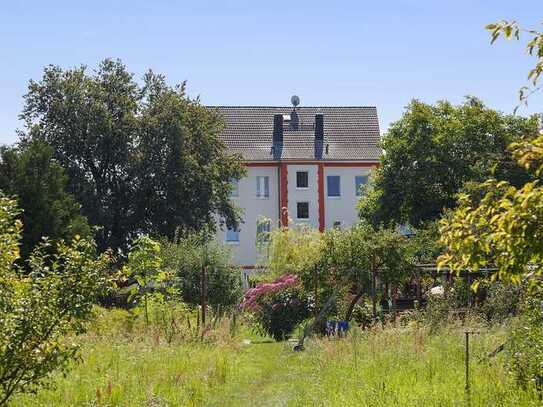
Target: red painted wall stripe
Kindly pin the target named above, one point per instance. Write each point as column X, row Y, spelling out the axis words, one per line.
column 283, row 194
column 320, row 176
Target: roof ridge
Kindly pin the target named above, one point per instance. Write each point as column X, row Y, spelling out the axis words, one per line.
column 299, row 107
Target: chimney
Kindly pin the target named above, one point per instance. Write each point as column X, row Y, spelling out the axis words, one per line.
column 319, row 135
column 277, row 129
column 319, row 127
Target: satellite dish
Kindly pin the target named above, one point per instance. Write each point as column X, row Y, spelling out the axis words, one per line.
column 295, row 100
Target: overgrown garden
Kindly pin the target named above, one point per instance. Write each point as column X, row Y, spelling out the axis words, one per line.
column 113, row 290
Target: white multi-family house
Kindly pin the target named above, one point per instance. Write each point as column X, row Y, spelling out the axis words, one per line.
column 306, row 163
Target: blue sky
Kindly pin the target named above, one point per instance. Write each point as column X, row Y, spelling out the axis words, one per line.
column 380, row 53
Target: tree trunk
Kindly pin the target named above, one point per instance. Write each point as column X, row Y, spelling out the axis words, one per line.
column 349, row 313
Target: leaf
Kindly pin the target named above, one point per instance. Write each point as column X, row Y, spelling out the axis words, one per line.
column 475, row 285
column 494, row 37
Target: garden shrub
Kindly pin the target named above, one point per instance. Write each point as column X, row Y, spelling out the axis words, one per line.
column 279, row 306
column 361, row 314
column 441, row 307
column 184, row 260
column 525, row 346
column 493, row 302
column 501, row 301
column 285, row 310
column 44, row 306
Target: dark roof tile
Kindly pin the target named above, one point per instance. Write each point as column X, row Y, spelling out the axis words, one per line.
column 351, row 133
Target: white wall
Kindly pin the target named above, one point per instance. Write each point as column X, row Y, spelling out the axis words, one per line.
column 245, row 252
column 310, row 194
column 343, row 208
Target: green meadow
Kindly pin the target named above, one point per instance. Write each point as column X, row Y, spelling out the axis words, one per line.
column 125, row 364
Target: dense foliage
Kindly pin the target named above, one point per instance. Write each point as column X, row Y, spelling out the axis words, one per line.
column 356, row 258
column 492, row 303
column 292, row 249
column 41, row 305
column 29, row 173
column 505, row 228
column 278, row 306
column 504, row 231
column 186, row 260
column 433, row 151
column 140, row 159
column 143, row 268
column 525, row 346
column 345, row 263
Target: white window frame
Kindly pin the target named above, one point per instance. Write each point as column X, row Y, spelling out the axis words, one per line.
column 262, row 187
column 328, row 189
column 308, row 210
column 307, row 173
column 357, row 190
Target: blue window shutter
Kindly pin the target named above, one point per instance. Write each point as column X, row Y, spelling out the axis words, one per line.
column 333, row 184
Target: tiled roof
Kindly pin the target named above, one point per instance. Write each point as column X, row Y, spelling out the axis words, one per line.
column 351, row 133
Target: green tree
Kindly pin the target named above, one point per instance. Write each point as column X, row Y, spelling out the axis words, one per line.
column 41, row 306
column 433, row 151
column 505, row 229
column 29, row 173
column 144, row 267
column 293, row 249
column 345, row 263
column 501, row 227
column 185, row 259
column 371, row 255
column 140, row 159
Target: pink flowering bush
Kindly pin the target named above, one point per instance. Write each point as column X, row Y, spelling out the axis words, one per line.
column 278, row 306
column 252, row 296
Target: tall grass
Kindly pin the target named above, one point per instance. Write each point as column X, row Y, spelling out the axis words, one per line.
column 392, row 366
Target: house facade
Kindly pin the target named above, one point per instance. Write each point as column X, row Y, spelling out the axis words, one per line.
column 303, row 163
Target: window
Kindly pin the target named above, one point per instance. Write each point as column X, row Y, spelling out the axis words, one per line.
column 263, row 187
column 302, row 179
column 232, row 235
column 263, row 229
column 337, row 224
column 359, row 181
column 234, row 188
column 302, row 210
column 332, row 182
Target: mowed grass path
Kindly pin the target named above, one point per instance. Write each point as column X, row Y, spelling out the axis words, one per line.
column 390, row 367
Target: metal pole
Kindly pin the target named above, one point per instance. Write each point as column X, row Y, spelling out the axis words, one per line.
column 466, row 358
